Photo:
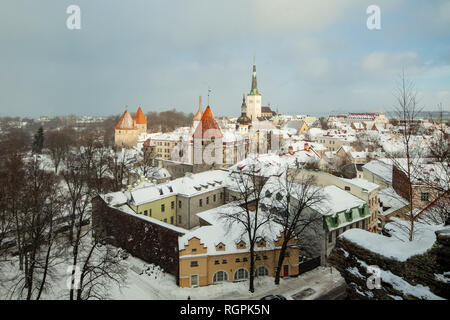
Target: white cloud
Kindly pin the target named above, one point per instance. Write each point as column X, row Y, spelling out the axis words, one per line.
column 387, row 64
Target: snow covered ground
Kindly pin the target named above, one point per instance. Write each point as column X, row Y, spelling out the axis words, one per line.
column 155, row 284
column 397, row 247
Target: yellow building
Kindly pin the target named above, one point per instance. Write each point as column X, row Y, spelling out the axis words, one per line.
column 215, row 253
column 163, row 209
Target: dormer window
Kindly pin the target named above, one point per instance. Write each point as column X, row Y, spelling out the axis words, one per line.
column 160, row 191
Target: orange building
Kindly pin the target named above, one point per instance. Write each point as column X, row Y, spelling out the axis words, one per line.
column 128, row 129
column 216, row 252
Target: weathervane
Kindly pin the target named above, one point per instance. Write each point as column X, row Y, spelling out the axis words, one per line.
column 209, row 90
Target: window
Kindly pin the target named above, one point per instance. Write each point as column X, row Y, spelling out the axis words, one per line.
column 241, row 274
column 207, row 200
column 150, row 212
column 262, row 271
column 194, row 263
column 146, row 212
column 347, row 188
column 224, row 261
column 216, row 261
column 194, row 250
column 163, row 208
column 220, row 276
column 172, row 205
column 245, row 259
column 200, row 203
column 265, row 257
column 221, row 195
column 425, row 196
column 171, row 220
column 238, row 260
column 258, row 258
column 179, row 204
column 214, row 198
column 165, row 220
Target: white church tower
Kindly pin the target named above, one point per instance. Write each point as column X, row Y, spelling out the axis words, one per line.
column 254, row 98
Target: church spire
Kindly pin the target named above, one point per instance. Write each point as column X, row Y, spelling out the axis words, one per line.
column 244, row 106
column 254, row 89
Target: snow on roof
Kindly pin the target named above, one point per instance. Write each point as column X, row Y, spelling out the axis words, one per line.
column 358, row 154
column 381, row 169
column 231, row 136
column 220, row 231
column 114, row 198
column 390, row 201
column 272, row 164
column 189, row 185
column 362, row 183
column 396, row 247
column 337, row 200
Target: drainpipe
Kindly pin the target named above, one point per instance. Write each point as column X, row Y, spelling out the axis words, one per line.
column 189, row 213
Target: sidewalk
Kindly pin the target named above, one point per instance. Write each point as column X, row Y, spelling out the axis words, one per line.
column 323, row 283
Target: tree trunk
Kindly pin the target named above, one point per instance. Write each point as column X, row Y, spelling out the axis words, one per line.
column 280, row 262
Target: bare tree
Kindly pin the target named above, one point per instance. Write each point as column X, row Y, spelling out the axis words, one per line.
column 289, row 197
column 58, row 144
column 97, row 267
column 39, row 209
column 407, row 110
column 249, row 215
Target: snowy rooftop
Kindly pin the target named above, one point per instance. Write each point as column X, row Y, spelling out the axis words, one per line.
column 220, row 231
column 337, row 200
column 189, row 185
column 390, row 201
column 362, row 183
column 380, row 168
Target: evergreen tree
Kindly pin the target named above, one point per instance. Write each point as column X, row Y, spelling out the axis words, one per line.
column 38, row 141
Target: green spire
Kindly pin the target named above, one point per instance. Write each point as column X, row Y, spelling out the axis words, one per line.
column 254, row 89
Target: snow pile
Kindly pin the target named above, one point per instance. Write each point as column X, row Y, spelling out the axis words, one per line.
column 419, row 291
column 396, row 247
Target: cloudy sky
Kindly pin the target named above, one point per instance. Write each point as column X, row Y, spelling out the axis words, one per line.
column 312, row 57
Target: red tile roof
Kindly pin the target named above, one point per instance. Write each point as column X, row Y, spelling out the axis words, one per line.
column 208, row 127
column 139, row 117
column 125, row 121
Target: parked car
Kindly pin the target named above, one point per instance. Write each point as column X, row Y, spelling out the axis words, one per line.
column 273, row 297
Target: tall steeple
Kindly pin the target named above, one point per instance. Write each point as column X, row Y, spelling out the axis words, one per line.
column 254, row 89
column 243, row 119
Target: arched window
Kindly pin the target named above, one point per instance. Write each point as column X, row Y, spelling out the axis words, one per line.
column 262, row 271
column 220, row 276
column 241, row 274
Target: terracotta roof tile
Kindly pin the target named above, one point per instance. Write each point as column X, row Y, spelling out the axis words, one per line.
column 208, row 127
column 139, row 117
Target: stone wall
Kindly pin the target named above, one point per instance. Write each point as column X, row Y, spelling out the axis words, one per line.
column 417, row 270
column 143, row 239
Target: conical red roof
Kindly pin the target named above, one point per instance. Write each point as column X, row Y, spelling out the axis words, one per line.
column 125, row 121
column 139, row 117
column 208, row 127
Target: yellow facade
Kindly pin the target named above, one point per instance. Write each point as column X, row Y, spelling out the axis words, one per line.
column 198, row 268
column 162, row 209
